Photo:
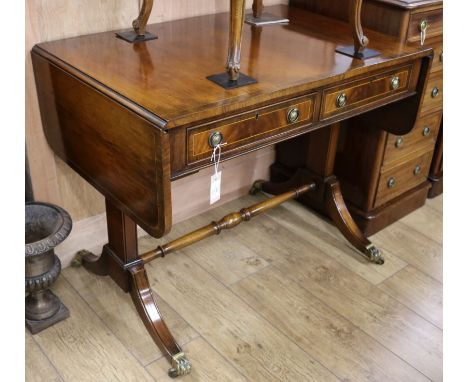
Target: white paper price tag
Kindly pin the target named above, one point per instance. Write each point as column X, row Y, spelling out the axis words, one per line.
column 215, row 190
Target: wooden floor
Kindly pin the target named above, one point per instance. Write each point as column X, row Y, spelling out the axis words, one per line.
column 280, row 298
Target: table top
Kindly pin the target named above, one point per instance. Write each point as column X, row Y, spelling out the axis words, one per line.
column 167, row 77
column 411, row 4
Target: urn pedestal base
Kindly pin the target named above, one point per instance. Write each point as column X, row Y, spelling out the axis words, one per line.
column 61, row 314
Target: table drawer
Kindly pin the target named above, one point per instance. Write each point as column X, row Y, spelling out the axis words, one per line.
column 432, row 99
column 437, row 62
column 423, row 135
column 343, row 98
column 243, row 131
column 432, row 20
column 397, row 180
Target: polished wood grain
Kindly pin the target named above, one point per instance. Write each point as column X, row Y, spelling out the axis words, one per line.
column 173, row 101
column 364, row 92
column 131, row 125
column 244, row 129
column 134, row 337
column 134, row 153
column 436, row 172
column 432, row 102
column 364, row 151
column 139, row 24
column 227, row 222
column 400, row 146
column 434, row 28
column 323, row 335
column 236, row 26
column 148, row 310
column 360, row 40
column 404, row 177
column 257, row 8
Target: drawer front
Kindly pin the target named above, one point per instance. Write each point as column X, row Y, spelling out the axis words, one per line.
column 424, row 135
column 342, row 99
column 432, row 100
column 437, row 62
column 245, row 130
column 395, row 181
column 431, row 19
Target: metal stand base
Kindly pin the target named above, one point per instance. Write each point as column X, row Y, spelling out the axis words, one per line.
column 349, row 51
column 224, row 81
column 265, row 19
column 132, row 37
column 38, row 326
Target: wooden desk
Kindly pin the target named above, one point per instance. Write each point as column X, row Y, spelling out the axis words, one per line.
column 131, row 118
column 386, row 176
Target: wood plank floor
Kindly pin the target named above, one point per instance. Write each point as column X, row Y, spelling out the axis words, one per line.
column 280, row 298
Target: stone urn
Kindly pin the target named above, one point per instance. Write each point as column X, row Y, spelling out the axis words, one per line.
column 47, row 226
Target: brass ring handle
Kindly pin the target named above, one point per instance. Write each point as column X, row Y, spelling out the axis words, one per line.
column 423, row 25
column 399, row 142
column 435, row 92
column 293, row 115
column 426, row 131
column 215, row 139
column 341, row 100
column 395, row 82
column 391, row 182
column 417, row 170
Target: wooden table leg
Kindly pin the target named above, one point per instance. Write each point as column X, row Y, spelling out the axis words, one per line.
column 120, row 260
column 318, row 164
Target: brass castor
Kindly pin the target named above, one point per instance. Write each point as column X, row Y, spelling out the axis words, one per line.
column 180, row 366
column 256, row 187
column 375, row 255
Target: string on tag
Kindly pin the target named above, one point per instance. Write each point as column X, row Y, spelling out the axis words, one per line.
column 216, row 156
column 215, row 187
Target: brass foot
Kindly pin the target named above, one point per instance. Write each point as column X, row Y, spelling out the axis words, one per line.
column 77, row 261
column 374, row 254
column 180, row 365
column 256, row 187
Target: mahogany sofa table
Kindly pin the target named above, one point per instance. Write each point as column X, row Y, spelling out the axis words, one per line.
column 130, row 118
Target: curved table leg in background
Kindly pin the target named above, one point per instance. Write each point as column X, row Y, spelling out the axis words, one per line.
column 338, row 212
column 149, row 313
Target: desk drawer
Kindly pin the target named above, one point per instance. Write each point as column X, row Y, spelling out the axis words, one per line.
column 432, row 20
column 432, row 99
column 395, row 181
column 437, row 62
column 423, row 135
column 243, row 131
column 343, row 98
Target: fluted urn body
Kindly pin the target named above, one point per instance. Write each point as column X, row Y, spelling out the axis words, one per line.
column 46, row 227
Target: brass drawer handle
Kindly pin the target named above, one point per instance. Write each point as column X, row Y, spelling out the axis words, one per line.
column 293, row 115
column 391, row 182
column 395, row 82
column 417, row 170
column 426, row 131
column 341, row 100
column 215, row 139
column 423, row 28
column 435, row 92
column 423, row 25
column 399, row 142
